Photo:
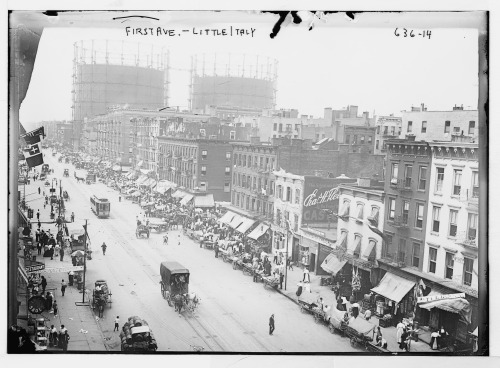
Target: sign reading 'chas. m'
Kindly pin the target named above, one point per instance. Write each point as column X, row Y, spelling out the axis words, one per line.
column 321, row 198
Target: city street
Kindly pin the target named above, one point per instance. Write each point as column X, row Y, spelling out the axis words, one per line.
column 234, row 312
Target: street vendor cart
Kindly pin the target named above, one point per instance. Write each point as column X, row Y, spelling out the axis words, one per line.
column 271, row 282
column 359, row 331
column 307, row 301
column 101, row 296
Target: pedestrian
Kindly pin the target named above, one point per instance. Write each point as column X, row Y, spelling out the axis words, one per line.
column 119, row 198
column 271, row 324
column 434, row 340
column 53, row 336
column 368, row 314
column 117, row 323
column 72, row 217
column 275, row 259
column 44, row 284
column 281, row 280
column 61, row 254
column 378, row 336
column 290, row 263
column 65, row 341
column 48, row 301
column 39, row 248
column 104, row 246
column 216, row 250
column 38, row 214
column 179, row 239
column 55, row 308
column 71, row 276
column 57, row 248
column 63, row 287
column 39, row 224
column 399, row 332
column 306, row 277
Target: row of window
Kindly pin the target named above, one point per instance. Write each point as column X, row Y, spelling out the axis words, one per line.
column 355, row 139
column 262, row 162
column 447, row 127
column 403, row 219
column 251, row 203
column 283, row 220
column 254, row 183
column 232, row 134
column 285, row 194
column 407, row 176
column 457, row 182
column 468, row 267
column 389, row 130
column 472, row 223
column 372, row 244
column 345, row 211
column 279, row 127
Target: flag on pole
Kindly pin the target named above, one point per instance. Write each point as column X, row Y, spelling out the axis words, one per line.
column 34, row 136
column 374, row 228
column 33, row 155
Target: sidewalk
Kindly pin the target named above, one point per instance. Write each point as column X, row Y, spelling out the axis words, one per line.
column 389, row 333
column 82, row 325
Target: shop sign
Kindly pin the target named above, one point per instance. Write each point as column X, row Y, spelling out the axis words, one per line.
column 36, row 304
column 321, row 198
column 426, row 299
column 35, row 267
column 63, row 269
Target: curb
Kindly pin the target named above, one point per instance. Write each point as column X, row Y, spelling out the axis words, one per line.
column 287, row 296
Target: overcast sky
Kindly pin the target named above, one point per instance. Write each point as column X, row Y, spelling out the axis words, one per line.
column 330, row 66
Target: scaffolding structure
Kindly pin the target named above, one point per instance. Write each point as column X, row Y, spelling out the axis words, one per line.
column 117, row 73
column 232, row 80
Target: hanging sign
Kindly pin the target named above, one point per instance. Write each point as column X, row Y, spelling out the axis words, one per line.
column 425, row 299
column 36, row 304
column 63, row 269
column 35, row 267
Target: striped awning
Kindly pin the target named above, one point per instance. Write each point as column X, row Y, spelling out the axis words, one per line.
column 245, row 225
column 258, row 231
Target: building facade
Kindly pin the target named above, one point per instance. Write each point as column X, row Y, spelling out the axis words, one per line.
column 253, row 179
column 407, row 183
column 388, row 127
column 197, row 165
column 440, row 125
column 451, row 246
column 357, row 244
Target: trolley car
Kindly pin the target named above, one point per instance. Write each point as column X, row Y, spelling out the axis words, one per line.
column 100, row 206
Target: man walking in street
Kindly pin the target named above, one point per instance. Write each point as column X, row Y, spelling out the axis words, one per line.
column 39, row 190
column 117, row 324
column 271, row 324
column 281, row 280
column 44, row 284
column 63, row 287
column 38, row 214
column 61, row 254
column 104, row 246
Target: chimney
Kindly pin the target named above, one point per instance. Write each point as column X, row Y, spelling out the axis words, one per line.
column 255, row 140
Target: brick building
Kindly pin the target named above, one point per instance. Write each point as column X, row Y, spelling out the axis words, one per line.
column 196, row 165
column 253, row 179
column 300, row 157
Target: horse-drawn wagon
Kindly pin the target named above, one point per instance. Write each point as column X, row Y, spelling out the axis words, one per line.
column 101, row 296
column 359, row 331
column 142, row 230
column 175, row 286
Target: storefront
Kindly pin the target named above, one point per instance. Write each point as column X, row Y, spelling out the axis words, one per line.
column 394, row 297
column 260, row 238
column 451, row 311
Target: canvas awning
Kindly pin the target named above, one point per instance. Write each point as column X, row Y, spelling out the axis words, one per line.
column 204, row 201
column 227, row 217
column 145, row 172
column 141, row 179
column 186, row 199
column 393, row 287
column 178, row 194
column 356, row 247
column 365, row 254
column 459, row 306
column 245, row 225
column 140, row 163
column 342, row 242
column 163, row 186
column 332, row 264
column 258, row 231
column 236, row 221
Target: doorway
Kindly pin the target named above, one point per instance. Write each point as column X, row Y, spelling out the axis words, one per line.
column 312, row 262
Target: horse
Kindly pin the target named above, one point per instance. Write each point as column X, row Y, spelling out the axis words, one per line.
column 78, row 179
column 192, row 301
column 179, row 302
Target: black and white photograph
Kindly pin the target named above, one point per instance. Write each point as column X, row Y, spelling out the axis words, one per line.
column 248, row 182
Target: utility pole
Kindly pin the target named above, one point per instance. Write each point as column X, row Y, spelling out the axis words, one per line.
column 286, row 257
column 84, row 262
